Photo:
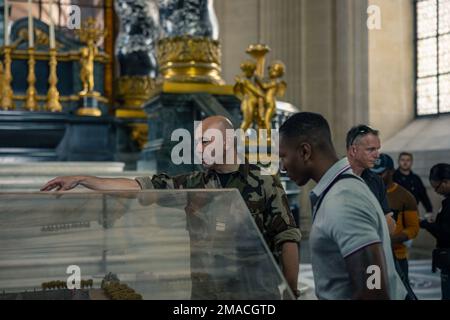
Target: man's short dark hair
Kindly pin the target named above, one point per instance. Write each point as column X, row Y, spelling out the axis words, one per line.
column 312, row 127
column 404, row 153
column 359, row 131
column 440, row 172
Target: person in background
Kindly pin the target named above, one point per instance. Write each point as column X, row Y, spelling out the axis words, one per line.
column 363, row 145
column 411, row 181
column 440, row 228
column 404, row 206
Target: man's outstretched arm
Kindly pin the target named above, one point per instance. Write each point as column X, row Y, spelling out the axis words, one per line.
column 358, row 269
column 65, row 183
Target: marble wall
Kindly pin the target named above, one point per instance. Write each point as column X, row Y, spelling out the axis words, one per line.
column 391, row 67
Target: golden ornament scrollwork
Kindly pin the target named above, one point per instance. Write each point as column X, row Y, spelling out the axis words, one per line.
column 187, row 49
column 73, row 55
column 135, row 90
column 189, row 59
column 41, row 38
column 139, row 134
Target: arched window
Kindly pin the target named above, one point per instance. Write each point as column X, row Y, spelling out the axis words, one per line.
column 432, row 57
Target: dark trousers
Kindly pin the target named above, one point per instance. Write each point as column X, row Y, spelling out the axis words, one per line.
column 403, row 264
column 445, row 284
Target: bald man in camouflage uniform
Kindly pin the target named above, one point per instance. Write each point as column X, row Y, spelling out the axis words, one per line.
column 263, row 195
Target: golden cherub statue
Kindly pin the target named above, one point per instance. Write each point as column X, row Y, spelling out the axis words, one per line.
column 258, row 94
column 250, row 95
column 89, row 34
column 87, row 69
column 273, row 88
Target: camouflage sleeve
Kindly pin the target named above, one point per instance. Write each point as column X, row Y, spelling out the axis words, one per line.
column 281, row 224
column 163, row 181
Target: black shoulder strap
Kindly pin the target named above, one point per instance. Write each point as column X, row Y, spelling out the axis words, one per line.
column 324, row 193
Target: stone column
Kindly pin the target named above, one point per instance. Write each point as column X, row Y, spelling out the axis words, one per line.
column 351, row 101
column 138, row 34
column 135, row 50
column 391, row 68
column 188, row 17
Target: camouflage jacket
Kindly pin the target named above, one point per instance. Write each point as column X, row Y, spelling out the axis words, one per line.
column 263, row 194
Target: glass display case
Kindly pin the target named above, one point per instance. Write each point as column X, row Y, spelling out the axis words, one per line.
column 165, row 244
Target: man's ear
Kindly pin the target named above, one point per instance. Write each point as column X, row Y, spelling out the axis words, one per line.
column 305, row 151
column 352, row 150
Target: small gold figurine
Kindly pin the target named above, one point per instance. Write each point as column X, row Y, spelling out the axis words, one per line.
column 89, row 34
column 273, row 88
column 250, row 95
column 87, row 69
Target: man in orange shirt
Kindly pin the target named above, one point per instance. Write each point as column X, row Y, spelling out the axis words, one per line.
column 404, row 206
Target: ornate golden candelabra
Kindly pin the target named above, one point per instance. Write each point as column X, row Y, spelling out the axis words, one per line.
column 258, row 52
column 7, row 101
column 258, row 93
column 53, row 104
column 31, row 101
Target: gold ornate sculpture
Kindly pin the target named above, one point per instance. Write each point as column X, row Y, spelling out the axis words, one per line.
column 273, row 88
column 31, row 95
column 139, row 134
column 90, row 35
column 87, row 55
column 258, row 52
column 258, row 94
column 7, row 101
column 189, row 59
column 250, row 94
column 135, row 90
column 53, row 104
